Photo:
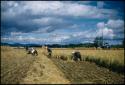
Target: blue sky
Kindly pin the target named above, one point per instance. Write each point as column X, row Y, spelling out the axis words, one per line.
column 51, row 22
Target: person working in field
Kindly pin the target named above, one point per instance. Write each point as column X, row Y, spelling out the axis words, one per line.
column 76, row 55
column 49, row 52
column 32, row 51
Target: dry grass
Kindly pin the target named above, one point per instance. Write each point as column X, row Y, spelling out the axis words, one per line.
column 90, row 73
column 83, row 72
column 18, row 67
column 14, row 65
column 113, row 59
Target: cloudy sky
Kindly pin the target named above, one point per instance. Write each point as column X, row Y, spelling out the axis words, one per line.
column 43, row 22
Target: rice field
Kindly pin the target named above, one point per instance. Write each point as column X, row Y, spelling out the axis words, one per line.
column 112, row 59
column 14, row 65
column 17, row 66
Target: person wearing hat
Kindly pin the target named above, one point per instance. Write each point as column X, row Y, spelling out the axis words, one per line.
column 76, row 55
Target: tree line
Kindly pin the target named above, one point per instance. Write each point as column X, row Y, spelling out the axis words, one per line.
column 98, row 42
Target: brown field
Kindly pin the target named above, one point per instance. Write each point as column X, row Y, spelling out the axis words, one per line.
column 113, row 59
column 110, row 55
column 19, row 67
column 14, row 65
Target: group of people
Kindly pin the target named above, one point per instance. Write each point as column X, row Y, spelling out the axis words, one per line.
column 33, row 51
column 75, row 54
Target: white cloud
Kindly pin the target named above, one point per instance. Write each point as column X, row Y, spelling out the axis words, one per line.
column 44, row 17
column 115, row 23
column 85, row 34
column 110, row 28
column 100, row 25
column 106, row 32
column 59, row 37
column 54, row 38
column 111, row 24
column 23, row 39
column 11, row 9
column 47, row 20
column 16, row 33
column 58, row 8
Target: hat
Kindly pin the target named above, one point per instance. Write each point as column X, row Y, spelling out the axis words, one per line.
column 73, row 52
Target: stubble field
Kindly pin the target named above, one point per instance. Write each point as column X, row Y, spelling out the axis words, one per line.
column 15, row 65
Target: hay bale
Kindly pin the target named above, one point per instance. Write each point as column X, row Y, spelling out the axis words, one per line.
column 63, row 57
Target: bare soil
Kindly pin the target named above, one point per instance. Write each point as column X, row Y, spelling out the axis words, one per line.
column 83, row 72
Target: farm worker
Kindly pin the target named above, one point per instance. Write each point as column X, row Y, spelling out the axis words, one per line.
column 35, row 52
column 76, row 55
column 49, row 51
column 29, row 50
column 32, row 50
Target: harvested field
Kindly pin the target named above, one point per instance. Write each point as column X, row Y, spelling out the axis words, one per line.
column 17, row 67
column 14, row 65
column 112, row 59
column 86, row 72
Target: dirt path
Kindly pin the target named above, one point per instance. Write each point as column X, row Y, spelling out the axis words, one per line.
column 44, row 71
column 87, row 73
